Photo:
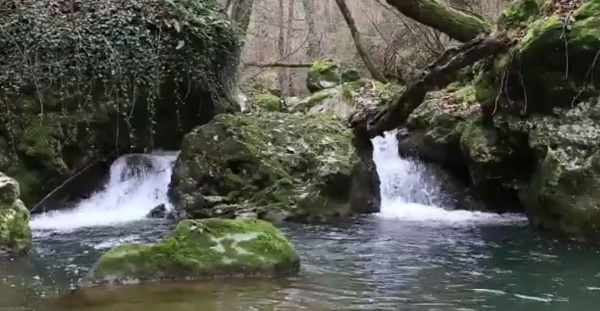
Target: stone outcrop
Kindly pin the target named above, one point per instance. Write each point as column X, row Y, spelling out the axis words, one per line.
column 201, row 249
column 301, row 167
column 144, row 74
column 526, row 138
column 15, row 236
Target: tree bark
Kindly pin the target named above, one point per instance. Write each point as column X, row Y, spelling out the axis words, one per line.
column 314, row 44
column 289, row 38
column 281, row 43
column 374, row 122
column 239, row 13
column 356, row 37
column 459, row 25
column 279, row 65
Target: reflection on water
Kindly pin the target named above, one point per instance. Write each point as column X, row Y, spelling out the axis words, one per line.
column 373, row 264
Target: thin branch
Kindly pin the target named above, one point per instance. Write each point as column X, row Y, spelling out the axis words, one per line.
column 278, row 65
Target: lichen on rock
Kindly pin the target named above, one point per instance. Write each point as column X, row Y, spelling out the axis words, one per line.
column 563, row 196
column 435, row 127
column 273, row 163
column 15, row 236
column 202, row 249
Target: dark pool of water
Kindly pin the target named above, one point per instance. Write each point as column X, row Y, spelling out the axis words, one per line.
column 371, row 264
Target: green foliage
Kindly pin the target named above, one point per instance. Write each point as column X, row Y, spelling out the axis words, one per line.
column 108, row 56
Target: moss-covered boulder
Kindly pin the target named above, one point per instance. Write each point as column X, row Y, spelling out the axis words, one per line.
column 323, row 74
column 15, row 236
column 80, row 82
column 346, row 98
column 202, row 249
column 326, row 74
column 434, row 129
column 296, row 166
column 563, row 195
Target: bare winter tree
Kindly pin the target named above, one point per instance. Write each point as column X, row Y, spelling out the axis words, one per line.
column 356, row 37
column 399, row 36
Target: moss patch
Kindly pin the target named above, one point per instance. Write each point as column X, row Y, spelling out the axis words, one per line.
column 199, row 249
column 269, row 160
column 323, row 74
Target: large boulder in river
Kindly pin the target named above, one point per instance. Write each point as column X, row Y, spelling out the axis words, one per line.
column 15, row 236
column 202, row 249
column 300, row 167
column 104, row 78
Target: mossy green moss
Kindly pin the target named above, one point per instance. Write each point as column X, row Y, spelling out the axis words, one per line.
column 323, row 74
column 267, row 159
column 269, row 102
column 143, row 74
column 199, row 249
column 521, row 12
column 15, row 235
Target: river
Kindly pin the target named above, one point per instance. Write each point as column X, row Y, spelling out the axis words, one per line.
column 414, row 255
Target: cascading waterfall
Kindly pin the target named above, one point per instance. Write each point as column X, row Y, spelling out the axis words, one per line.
column 137, row 183
column 409, row 192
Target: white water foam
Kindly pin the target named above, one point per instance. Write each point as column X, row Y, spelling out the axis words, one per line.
column 408, row 194
column 137, row 183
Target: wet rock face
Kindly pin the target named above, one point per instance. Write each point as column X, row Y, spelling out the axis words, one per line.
column 15, row 236
column 202, row 249
column 563, row 195
column 303, row 167
column 175, row 74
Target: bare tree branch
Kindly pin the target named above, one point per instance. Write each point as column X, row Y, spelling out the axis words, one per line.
column 356, row 36
column 278, row 65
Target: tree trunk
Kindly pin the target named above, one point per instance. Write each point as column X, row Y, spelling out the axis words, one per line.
column 238, row 12
column 459, row 25
column 356, row 37
column 289, row 38
column 281, row 43
column 375, row 121
column 314, row 44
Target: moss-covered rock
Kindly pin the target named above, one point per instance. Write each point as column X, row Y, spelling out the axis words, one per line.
column 107, row 78
column 202, row 249
column 563, row 195
column 435, row 127
column 304, row 167
column 323, row 74
column 269, row 102
column 15, row 236
column 345, row 99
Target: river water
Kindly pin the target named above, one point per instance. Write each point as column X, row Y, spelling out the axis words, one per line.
column 417, row 254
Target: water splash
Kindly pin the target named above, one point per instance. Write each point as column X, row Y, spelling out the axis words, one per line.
column 137, row 183
column 409, row 192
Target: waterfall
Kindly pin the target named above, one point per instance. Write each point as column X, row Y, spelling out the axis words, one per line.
column 410, row 192
column 137, row 183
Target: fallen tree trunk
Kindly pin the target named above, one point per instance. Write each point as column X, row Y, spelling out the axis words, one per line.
column 458, row 25
column 279, row 65
column 373, row 122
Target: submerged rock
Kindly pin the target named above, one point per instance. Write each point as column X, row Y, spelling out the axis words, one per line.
column 303, row 166
column 15, row 235
column 202, row 249
column 160, row 211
